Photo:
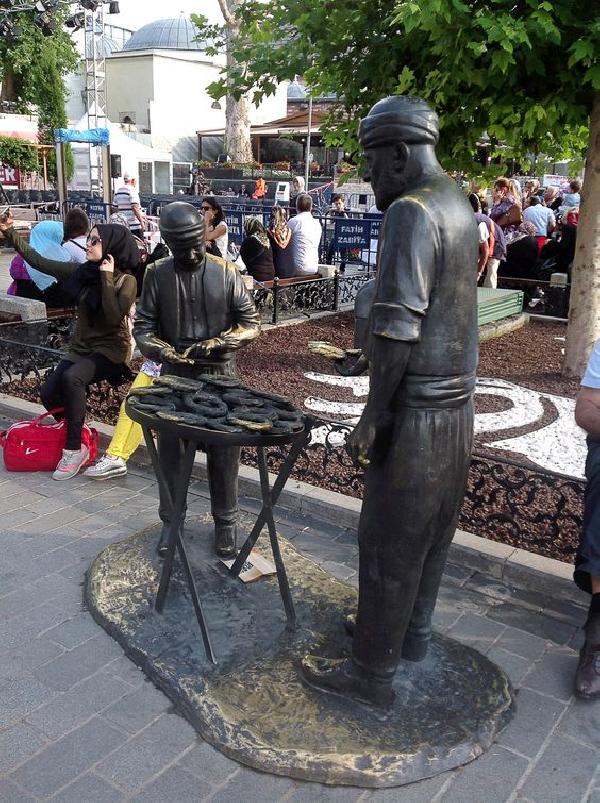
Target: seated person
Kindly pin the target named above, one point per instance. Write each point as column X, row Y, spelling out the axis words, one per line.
column 18, row 274
column 522, row 256
column 100, row 347
column 127, row 435
column 306, row 237
column 552, row 198
column 77, row 226
column 281, row 243
column 572, row 197
column 260, row 188
column 542, row 218
column 256, row 251
column 216, row 232
column 46, row 239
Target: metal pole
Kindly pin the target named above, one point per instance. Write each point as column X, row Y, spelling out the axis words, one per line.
column 106, row 179
column 308, row 133
column 61, row 178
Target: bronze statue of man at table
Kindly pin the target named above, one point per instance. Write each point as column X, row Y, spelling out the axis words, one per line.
column 193, row 316
column 415, row 435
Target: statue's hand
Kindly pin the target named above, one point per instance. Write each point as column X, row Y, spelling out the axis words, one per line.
column 168, row 354
column 352, row 365
column 205, row 347
column 361, row 441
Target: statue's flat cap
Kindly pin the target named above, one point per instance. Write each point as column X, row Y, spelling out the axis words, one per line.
column 403, row 118
column 180, row 218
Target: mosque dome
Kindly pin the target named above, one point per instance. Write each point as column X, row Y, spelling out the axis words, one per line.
column 104, row 46
column 295, row 91
column 171, row 34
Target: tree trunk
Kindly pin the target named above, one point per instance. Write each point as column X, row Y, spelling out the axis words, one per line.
column 237, row 129
column 238, row 145
column 8, row 83
column 584, row 311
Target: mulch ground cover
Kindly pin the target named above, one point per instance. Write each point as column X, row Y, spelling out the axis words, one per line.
column 521, row 506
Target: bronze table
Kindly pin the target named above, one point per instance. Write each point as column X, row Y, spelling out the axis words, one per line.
column 194, row 437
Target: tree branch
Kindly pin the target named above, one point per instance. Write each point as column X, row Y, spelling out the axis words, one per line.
column 225, row 11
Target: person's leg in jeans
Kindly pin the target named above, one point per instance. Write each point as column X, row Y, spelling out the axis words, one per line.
column 74, row 383
column 51, row 392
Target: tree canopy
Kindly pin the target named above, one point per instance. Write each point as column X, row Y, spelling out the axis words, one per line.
column 522, row 72
column 32, row 69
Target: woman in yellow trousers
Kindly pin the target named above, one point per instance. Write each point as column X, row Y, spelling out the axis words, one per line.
column 127, row 435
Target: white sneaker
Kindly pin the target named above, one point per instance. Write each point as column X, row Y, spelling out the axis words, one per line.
column 71, row 462
column 107, row 467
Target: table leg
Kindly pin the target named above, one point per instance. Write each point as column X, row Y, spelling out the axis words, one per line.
column 278, row 487
column 196, row 601
column 176, row 514
column 175, row 539
column 284, row 586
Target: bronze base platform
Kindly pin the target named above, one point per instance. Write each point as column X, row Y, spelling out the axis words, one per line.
column 253, row 706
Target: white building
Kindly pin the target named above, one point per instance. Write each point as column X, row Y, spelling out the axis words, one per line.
column 156, row 89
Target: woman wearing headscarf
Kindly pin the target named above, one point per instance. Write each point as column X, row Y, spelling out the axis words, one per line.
column 45, row 238
column 552, row 198
column 280, row 235
column 101, row 344
column 256, row 251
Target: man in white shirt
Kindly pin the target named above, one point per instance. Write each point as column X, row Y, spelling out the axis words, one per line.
column 126, row 201
column 542, row 218
column 587, row 563
column 306, row 237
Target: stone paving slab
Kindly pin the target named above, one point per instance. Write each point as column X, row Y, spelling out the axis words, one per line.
column 79, row 722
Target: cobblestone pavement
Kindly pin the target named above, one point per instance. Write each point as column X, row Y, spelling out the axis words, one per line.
column 78, row 721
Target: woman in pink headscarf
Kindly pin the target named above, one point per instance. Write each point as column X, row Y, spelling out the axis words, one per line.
column 19, row 276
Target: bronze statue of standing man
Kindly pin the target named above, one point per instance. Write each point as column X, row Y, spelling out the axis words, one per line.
column 415, row 436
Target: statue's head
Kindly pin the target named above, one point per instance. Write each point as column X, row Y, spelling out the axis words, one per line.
column 182, row 228
column 397, row 134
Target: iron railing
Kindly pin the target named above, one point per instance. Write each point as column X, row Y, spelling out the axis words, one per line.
column 506, row 500
column 278, row 300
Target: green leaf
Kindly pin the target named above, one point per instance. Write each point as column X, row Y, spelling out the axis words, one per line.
column 592, row 76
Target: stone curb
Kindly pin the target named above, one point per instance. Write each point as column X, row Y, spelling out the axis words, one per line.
column 511, row 565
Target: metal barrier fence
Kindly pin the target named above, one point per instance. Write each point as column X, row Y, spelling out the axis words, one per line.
column 351, row 240
column 282, row 301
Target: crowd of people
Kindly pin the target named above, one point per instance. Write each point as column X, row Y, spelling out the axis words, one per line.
column 525, row 233
column 99, row 269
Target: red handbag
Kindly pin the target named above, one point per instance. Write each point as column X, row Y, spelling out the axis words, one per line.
column 34, row 446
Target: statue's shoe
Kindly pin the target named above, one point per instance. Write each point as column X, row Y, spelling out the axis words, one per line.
column 413, row 648
column 343, row 677
column 587, row 676
column 226, row 540
column 163, row 541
